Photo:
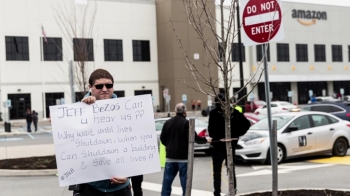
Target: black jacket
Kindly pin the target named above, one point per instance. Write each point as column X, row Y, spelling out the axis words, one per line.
column 174, row 137
column 216, row 127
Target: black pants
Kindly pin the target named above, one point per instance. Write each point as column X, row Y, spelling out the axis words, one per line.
column 87, row 190
column 218, row 157
column 136, row 182
column 35, row 122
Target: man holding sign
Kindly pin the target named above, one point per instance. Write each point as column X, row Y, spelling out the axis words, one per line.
column 101, row 87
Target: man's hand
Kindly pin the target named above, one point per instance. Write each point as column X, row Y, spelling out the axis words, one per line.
column 209, row 140
column 118, row 180
column 89, row 100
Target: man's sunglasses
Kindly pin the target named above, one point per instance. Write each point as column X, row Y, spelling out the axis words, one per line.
column 100, row 86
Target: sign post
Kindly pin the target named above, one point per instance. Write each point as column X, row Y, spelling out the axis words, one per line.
column 184, row 98
column 290, row 94
column 262, row 23
column 342, row 94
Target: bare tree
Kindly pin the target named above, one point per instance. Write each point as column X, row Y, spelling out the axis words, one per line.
column 217, row 33
column 76, row 22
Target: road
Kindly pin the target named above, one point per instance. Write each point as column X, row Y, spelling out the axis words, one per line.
column 315, row 172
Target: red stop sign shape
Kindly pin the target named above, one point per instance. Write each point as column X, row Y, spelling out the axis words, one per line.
column 262, row 20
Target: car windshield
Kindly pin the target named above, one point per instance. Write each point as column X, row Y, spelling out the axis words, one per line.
column 263, row 124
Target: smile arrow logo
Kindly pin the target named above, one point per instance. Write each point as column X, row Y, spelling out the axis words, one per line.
column 307, row 23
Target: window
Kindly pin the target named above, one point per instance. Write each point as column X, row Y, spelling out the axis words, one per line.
column 306, row 109
column 336, row 109
column 113, row 50
column 319, row 120
column 221, row 55
column 143, row 92
column 283, row 52
column 320, row 53
column 141, row 50
column 235, row 52
column 322, row 108
column 83, row 49
column 259, row 52
column 17, row 48
column 332, row 120
column 52, row 49
column 337, row 53
column 301, row 122
column 119, row 93
column 159, row 125
column 302, row 54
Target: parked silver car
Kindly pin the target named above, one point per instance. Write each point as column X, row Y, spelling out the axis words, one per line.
column 200, row 128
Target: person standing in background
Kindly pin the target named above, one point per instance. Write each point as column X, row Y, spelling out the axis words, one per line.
column 193, row 105
column 35, row 120
column 29, row 120
column 199, row 103
column 175, row 136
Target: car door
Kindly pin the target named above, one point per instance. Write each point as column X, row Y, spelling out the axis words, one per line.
column 324, row 128
column 301, row 141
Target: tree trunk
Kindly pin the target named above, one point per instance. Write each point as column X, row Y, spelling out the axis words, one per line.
column 230, row 166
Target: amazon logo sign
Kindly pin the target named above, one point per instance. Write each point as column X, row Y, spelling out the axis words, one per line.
column 301, row 15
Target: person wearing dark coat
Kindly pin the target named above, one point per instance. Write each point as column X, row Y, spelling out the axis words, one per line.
column 175, row 136
column 35, row 120
column 29, row 120
column 216, row 127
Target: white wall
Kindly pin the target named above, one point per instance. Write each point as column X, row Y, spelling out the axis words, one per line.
column 118, row 19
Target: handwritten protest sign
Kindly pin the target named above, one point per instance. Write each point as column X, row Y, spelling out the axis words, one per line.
column 113, row 137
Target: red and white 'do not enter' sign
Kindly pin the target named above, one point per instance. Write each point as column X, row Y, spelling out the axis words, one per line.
column 262, row 21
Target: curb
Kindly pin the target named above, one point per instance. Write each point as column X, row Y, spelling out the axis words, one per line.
column 13, row 172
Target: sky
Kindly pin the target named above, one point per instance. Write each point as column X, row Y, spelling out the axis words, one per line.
column 323, row 2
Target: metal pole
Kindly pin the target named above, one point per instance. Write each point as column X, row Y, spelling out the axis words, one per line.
column 71, row 79
column 239, row 48
column 168, row 108
column 274, row 162
column 268, row 106
column 190, row 158
column 43, row 77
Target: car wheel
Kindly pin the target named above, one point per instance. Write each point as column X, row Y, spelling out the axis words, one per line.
column 204, row 113
column 281, row 155
column 340, row 147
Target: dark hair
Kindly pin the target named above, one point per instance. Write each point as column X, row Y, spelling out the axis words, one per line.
column 98, row 74
column 219, row 97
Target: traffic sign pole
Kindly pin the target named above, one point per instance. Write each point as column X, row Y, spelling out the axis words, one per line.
column 273, row 145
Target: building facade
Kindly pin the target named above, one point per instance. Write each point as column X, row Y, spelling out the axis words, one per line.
column 136, row 42
column 34, row 72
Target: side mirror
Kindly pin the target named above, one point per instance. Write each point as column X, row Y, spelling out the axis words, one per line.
column 292, row 128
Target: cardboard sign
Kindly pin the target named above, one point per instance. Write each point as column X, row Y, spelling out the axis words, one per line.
column 113, row 137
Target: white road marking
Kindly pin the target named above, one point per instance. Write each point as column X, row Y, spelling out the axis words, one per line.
column 10, row 139
column 282, row 169
column 30, row 135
